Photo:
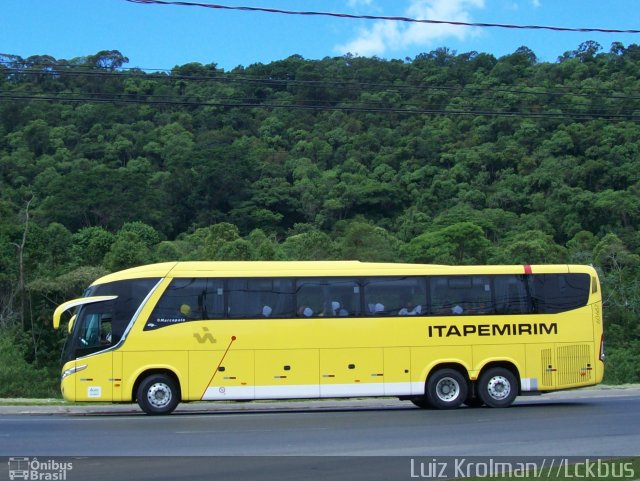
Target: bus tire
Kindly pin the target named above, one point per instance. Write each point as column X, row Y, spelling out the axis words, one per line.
column 446, row 389
column 497, row 387
column 158, row 394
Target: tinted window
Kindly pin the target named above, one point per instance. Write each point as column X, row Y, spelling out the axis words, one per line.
column 197, row 299
column 327, row 297
column 460, row 295
column 130, row 294
column 94, row 325
column 188, row 300
column 101, row 325
column 406, row 296
column 559, row 292
column 511, row 295
column 254, row 298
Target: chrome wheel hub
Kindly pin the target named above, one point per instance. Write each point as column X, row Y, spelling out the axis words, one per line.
column 447, row 389
column 499, row 387
column 159, row 395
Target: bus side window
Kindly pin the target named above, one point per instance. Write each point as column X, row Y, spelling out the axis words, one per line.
column 106, row 333
column 94, row 325
column 328, row 297
column 461, row 295
column 91, row 331
column 405, row 296
column 342, row 298
column 511, row 295
column 552, row 293
column 257, row 298
column 440, row 298
column 188, row 300
column 309, row 298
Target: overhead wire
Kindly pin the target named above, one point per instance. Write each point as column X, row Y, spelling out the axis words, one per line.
column 532, row 90
column 375, row 106
column 348, row 83
column 318, row 103
column 383, row 17
column 480, row 95
column 255, row 103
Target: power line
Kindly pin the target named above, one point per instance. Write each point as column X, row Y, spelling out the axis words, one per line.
column 349, row 90
column 407, row 110
column 345, row 84
column 319, row 104
column 382, row 17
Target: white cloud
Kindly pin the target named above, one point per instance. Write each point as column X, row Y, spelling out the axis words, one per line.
column 536, row 3
column 384, row 36
column 359, row 3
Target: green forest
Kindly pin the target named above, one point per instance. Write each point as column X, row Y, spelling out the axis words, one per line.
column 450, row 158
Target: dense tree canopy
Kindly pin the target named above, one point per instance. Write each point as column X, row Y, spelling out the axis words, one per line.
column 444, row 158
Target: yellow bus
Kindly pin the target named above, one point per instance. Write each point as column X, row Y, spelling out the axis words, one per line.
column 439, row 336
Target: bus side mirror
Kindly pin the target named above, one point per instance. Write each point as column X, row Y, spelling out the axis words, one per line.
column 71, row 321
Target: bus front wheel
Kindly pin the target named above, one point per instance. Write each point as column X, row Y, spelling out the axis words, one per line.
column 497, row 387
column 158, row 394
column 446, row 389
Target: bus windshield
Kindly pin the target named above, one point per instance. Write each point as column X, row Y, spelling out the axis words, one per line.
column 101, row 325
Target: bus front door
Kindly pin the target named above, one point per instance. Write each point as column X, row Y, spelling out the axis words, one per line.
column 95, row 382
column 94, row 358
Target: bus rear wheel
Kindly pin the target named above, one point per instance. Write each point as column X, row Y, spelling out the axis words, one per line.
column 446, row 389
column 158, row 394
column 497, row 387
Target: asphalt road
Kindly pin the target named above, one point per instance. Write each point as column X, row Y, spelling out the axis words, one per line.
column 361, row 439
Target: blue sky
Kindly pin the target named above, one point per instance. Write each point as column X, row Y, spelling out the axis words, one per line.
column 161, row 37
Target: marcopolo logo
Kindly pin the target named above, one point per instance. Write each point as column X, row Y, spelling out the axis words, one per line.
column 206, row 337
column 38, row 470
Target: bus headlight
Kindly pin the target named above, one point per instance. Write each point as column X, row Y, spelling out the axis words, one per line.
column 70, row 371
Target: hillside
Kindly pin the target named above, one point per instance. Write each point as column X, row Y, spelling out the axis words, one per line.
column 444, row 158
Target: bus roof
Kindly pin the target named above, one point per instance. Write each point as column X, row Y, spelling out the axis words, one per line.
column 324, row 268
